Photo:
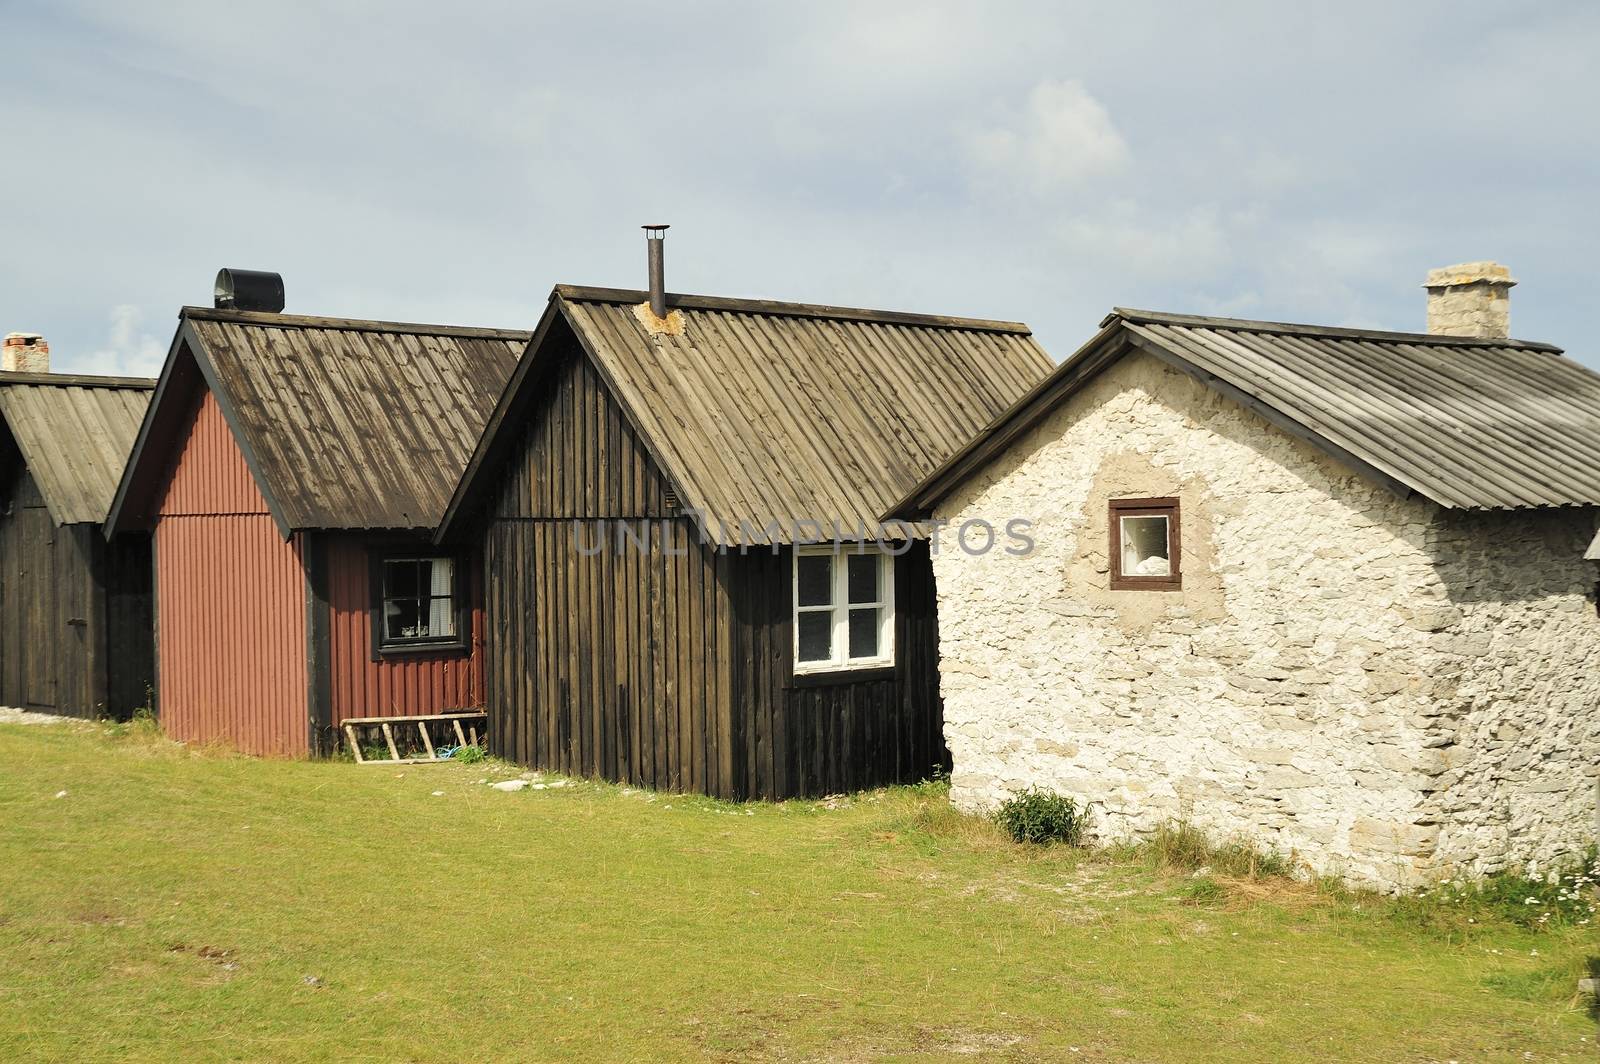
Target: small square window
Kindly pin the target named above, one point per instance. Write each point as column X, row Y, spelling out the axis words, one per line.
column 1145, row 546
column 416, row 603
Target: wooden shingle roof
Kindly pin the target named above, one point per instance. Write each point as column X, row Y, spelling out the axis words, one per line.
column 764, row 413
column 75, row 434
column 345, row 424
column 1472, row 424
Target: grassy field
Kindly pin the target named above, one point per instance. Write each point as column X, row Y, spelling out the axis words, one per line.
column 180, row 905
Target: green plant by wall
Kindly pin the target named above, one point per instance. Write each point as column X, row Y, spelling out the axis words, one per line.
column 1041, row 816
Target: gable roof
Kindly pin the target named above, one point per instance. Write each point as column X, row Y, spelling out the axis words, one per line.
column 761, row 412
column 345, row 423
column 74, row 433
column 1469, row 423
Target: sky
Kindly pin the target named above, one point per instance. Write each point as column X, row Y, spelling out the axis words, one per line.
column 420, row 161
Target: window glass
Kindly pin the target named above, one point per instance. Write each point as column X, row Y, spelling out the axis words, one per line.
column 1145, row 550
column 864, row 569
column 418, row 600
column 814, row 579
column 815, row 636
column 864, row 632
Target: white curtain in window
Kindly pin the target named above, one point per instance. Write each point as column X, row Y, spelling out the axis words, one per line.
column 441, row 615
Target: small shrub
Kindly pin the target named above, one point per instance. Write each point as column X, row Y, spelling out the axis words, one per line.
column 1041, row 816
column 468, row 755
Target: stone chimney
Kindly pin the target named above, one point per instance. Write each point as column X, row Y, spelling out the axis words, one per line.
column 25, row 353
column 1472, row 299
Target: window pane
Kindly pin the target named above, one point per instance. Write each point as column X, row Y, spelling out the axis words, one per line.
column 864, row 633
column 863, row 576
column 816, row 636
column 1144, row 547
column 403, row 619
column 815, row 579
column 400, row 579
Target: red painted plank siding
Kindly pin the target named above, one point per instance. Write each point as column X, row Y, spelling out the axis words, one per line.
column 397, row 685
column 231, row 602
column 208, row 475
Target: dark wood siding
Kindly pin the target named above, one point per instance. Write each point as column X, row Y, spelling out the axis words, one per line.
column 130, row 624
column 623, row 646
column 829, row 734
column 68, row 617
column 612, row 664
column 609, row 662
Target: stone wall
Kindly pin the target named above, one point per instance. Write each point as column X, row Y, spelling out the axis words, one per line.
column 1295, row 689
column 1520, row 732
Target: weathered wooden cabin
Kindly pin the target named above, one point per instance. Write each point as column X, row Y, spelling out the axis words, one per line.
column 291, row 470
column 678, row 514
column 76, row 635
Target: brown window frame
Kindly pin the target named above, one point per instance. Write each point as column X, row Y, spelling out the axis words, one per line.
column 1165, row 506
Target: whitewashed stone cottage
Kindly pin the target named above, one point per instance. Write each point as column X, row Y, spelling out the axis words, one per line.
column 1323, row 587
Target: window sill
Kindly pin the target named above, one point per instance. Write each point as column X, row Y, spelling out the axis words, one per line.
column 1145, row 583
column 415, row 650
column 836, row 677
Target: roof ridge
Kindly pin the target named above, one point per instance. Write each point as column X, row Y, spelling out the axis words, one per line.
column 777, row 308
column 1156, row 317
column 74, row 380
column 309, row 321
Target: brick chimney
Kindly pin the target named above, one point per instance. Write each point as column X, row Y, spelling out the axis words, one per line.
column 1470, row 299
column 25, row 353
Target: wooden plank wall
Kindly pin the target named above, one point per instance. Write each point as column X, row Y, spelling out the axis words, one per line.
column 231, row 602
column 809, row 736
column 130, row 624
column 671, row 666
column 609, row 663
column 53, row 652
column 614, row 664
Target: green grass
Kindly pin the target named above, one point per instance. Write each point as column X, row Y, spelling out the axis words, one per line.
column 175, row 905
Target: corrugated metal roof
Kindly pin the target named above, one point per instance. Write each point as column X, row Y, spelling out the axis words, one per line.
column 763, row 412
column 75, row 433
column 1469, row 423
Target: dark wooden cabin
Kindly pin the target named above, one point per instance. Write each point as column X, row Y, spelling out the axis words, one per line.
column 643, row 497
column 76, row 636
column 291, row 470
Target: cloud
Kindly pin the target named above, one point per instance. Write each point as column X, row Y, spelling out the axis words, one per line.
column 129, row 350
column 1062, row 137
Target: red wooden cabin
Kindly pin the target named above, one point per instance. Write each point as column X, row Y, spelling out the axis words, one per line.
column 291, row 469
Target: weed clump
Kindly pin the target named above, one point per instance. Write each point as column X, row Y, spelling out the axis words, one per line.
column 1038, row 816
column 1564, row 896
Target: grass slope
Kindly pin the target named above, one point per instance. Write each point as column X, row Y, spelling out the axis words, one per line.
column 180, row 905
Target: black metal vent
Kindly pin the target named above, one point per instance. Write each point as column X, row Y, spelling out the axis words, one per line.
column 248, row 290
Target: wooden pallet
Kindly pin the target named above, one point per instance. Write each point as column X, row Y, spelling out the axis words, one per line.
column 466, row 725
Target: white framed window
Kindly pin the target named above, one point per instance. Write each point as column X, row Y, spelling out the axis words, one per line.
column 843, row 609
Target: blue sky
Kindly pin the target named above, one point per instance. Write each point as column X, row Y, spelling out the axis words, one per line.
column 1042, row 162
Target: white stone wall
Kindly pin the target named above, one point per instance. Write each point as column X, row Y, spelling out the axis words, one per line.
column 1293, row 690
column 1520, row 733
